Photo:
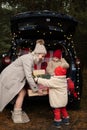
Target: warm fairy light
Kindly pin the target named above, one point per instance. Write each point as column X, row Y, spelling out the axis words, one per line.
column 77, row 86
column 13, row 53
column 43, row 33
column 77, row 61
column 78, row 98
column 20, row 38
column 64, row 40
column 58, row 23
column 78, row 74
column 71, row 41
column 68, row 38
column 77, row 80
column 31, row 43
column 75, row 56
column 70, row 35
column 78, row 93
column 69, row 44
column 12, row 38
column 64, row 35
column 55, row 43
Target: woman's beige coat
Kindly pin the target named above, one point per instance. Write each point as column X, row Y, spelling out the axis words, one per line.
column 58, row 96
column 13, row 78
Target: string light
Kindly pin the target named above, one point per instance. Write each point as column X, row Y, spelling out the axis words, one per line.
column 60, row 25
column 78, row 74
column 43, row 33
column 78, row 98
column 54, row 43
column 26, row 41
column 61, row 30
column 77, row 86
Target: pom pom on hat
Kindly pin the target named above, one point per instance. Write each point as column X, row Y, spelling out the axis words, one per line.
column 40, row 41
column 59, row 71
column 57, row 54
column 40, row 48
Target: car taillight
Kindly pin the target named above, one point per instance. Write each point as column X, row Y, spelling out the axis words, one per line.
column 6, row 60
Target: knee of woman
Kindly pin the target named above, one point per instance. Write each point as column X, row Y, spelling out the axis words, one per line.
column 22, row 92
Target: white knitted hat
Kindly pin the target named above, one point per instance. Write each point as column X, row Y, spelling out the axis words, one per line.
column 40, row 48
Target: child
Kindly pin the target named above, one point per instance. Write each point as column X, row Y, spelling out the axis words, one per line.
column 56, row 61
column 58, row 96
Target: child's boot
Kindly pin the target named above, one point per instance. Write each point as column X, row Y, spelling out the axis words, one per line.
column 57, row 124
column 66, row 121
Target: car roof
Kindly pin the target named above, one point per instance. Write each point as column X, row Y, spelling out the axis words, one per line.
column 44, row 13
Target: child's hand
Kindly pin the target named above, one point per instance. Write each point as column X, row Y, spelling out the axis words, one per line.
column 40, row 92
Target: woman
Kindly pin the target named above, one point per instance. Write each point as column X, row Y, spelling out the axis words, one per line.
column 13, row 79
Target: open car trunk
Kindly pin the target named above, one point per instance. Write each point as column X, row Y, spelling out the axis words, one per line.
column 57, row 30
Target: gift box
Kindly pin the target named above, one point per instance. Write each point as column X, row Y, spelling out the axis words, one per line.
column 31, row 93
column 43, row 90
column 39, row 73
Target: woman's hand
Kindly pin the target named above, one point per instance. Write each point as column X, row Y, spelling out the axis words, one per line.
column 36, row 79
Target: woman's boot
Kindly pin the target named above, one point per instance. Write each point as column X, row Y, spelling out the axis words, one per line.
column 20, row 116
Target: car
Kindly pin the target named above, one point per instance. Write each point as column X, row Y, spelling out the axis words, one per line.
column 57, row 30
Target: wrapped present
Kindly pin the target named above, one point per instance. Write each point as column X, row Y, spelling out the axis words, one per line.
column 38, row 72
column 41, row 73
column 41, row 92
column 46, row 76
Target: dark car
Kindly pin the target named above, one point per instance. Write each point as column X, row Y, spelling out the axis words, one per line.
column 57, row 30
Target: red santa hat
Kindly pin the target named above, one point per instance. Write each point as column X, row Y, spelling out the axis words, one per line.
column 57, row 54
column 59, row 71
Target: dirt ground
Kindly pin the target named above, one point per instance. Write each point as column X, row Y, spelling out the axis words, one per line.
column 41, row 116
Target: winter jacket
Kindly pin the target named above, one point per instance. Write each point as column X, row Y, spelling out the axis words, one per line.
column 58, row 96
column 53, row 64
column 13, row 78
